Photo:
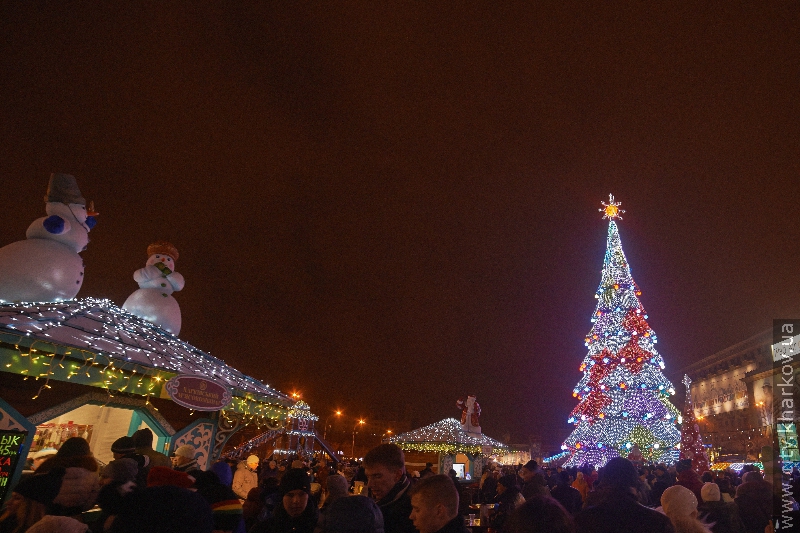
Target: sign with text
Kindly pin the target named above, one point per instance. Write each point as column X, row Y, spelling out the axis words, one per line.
column 11, row 443
column 197, row 393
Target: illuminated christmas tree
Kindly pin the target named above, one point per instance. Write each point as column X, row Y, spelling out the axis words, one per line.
column 623, row 396
column 691, row 441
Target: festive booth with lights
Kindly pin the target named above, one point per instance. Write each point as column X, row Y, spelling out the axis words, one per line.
column 85, row 367
column 623, row 398
column 449, row 445
column 88, row 368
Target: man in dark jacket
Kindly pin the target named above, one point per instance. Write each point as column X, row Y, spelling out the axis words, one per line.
column 434, row 506
column 568, row 496
column 385, row 467
column 662, row 482
column 754, row 499
column 143, row 439
column 616, row 509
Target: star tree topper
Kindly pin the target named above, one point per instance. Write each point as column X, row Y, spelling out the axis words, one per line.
column 611, row 210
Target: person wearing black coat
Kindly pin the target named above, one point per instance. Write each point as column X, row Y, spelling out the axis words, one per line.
column 616, row 509
column 568, row 496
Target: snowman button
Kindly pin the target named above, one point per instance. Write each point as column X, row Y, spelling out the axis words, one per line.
column 163, row 284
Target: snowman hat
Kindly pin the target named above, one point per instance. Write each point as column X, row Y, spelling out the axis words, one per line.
column 63, row 188
column 163, row 248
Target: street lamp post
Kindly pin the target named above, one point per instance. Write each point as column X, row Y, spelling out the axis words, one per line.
column 353, row 449
column 325, row 432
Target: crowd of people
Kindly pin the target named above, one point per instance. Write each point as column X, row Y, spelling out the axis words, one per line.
column 144, row 491
column 623, row 497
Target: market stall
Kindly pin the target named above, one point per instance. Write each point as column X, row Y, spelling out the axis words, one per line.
column 89, row 368
column 448, row 445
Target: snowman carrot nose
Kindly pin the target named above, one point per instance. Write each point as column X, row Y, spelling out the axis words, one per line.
column 90, row 210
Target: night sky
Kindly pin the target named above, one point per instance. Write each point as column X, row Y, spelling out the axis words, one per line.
column 388, row 206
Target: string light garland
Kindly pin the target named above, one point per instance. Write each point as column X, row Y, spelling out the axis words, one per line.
column 93, row 342
column 691, row 440
column 301, row 410
column 555, row 457
column 446, row 436
column 623, row 398
column 738, row 466
column 98, row 326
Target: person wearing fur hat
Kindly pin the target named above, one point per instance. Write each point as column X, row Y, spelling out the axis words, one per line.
column 616, row 508
column 680, row 505
column 246, row 477
column 723, row 516
column 296, row 512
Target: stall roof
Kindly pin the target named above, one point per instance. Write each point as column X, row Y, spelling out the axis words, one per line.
column 101, row 327
column 446, row 435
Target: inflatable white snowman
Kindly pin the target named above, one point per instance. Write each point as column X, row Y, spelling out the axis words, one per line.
column 46, row 267
column 157, row 281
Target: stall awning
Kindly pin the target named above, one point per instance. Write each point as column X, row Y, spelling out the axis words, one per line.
column 447, row 436
column 106, row 339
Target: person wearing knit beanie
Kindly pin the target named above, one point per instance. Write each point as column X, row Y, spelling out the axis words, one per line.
column 183, row 458
column 246, row 477
column 680, row 505
column 123, row 446
column 337, row 487
column 297, row 512
column 723, row 515
column 710, row 492
column 295, row 479
column 223, row 472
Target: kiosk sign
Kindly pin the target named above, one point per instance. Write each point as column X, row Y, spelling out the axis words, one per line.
column 11, row 443
column 197, row 393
